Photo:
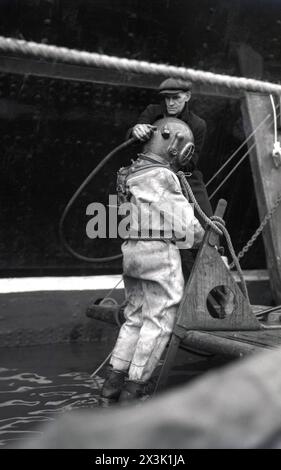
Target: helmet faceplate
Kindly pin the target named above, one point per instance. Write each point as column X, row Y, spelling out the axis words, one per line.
column 172, row 140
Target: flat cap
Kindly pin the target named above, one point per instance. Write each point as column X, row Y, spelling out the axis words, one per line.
column 174, row 85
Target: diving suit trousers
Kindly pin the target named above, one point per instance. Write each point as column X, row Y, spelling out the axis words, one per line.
column 154, row 287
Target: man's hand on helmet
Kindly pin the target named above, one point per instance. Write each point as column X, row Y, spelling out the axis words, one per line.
column 143, row 132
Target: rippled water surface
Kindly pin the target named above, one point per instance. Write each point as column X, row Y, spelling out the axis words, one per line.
column 37, row 383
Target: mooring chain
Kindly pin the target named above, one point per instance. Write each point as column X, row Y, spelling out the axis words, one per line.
column 264, row 222
column 54, row 53
column 218, row 225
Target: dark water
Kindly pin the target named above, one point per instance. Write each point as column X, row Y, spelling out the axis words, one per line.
column 39, row 383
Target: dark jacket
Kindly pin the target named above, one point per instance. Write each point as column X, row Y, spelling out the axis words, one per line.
column 152, row 113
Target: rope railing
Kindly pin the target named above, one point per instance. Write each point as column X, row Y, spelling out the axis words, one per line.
column 73, row 56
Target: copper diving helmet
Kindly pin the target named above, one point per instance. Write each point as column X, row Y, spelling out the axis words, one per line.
column 172, row 140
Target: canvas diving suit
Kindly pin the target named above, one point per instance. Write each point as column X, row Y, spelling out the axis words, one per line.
column 152, row 268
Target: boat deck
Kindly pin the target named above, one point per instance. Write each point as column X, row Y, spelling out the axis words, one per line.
column 232, row 343
column 238, row 343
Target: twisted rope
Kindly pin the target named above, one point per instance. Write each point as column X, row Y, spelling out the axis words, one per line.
column 234, row 257
column 73, row 56
column 218, row 225
column 189, row 195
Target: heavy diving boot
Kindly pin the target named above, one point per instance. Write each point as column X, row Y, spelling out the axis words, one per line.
column 112, row 386
column 133, row 390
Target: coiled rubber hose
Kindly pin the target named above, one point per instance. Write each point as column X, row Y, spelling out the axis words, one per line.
column 63, row 240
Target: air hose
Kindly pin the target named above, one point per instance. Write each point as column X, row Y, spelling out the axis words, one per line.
column 89, row 178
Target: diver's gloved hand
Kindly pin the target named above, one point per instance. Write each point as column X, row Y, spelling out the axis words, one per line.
column 143, row 132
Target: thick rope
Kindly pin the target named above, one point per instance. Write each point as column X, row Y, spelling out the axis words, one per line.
column 234, row 257
column 217, row 224
column 190, row 196
column 73, row 56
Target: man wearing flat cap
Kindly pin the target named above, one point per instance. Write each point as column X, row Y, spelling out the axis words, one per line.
column 176, row 94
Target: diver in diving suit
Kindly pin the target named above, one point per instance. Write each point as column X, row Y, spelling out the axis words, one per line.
column 152, row 270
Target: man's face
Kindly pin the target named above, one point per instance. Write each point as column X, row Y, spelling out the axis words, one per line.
column 176, row 102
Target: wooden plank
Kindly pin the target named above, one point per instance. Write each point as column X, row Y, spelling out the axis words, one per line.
column 259, row 339
column 253, row 275
column 267, row 178
column 43, row 68
column 214, row 238
column 233, row 344
column 209, row 342
column 208, row 273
